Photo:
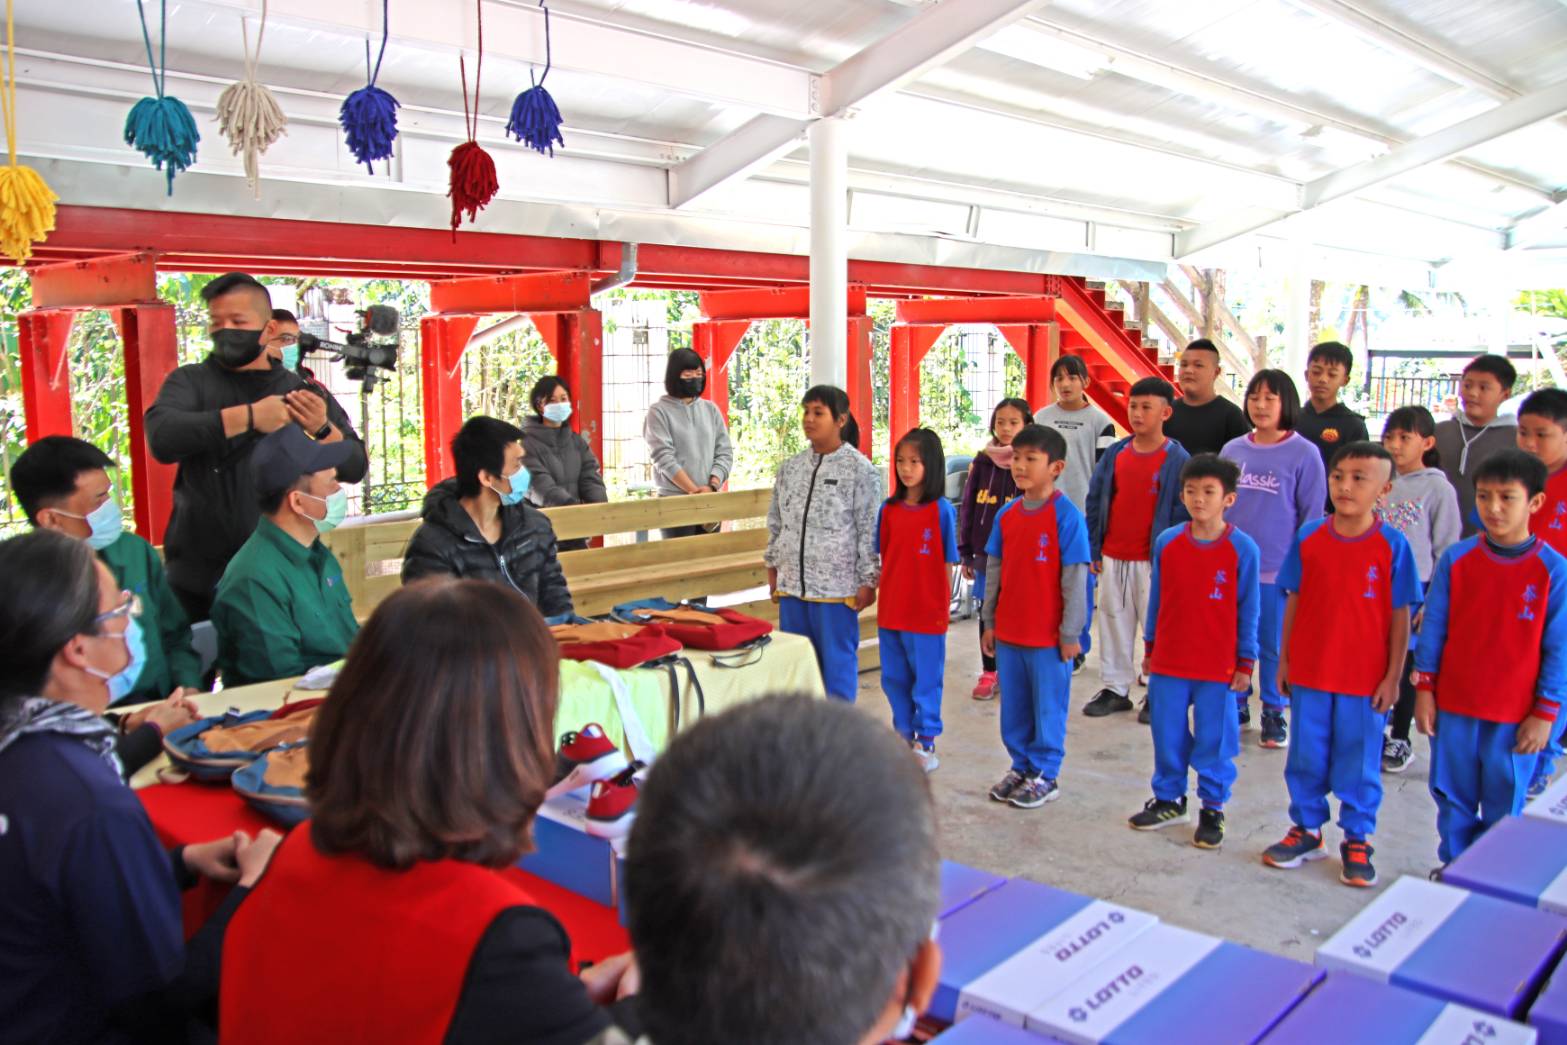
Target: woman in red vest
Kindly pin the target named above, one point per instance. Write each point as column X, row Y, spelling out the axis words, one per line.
column 383, row 918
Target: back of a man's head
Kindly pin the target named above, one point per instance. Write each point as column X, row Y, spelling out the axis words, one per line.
column 782, row 873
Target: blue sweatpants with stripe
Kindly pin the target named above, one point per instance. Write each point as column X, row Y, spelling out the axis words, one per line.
column 912, row 667
column 1035, row 687
column 1335, row 747
column 1210, row 749
column 1270, row 634
column 1545, row 761
column 1476, row 778
column 834, row 631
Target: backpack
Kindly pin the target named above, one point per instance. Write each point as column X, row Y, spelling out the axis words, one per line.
column 273, row 783
column 615, row 644
column 696, row 626
column 212, row 748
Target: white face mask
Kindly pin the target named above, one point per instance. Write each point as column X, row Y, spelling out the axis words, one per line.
column 559, row 413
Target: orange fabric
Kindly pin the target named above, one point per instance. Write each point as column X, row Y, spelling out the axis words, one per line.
column 681, row 616
column 287, row 768
column 332, row 948
column 599, row 631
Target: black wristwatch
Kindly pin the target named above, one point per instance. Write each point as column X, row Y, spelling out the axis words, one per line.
column 324, row 431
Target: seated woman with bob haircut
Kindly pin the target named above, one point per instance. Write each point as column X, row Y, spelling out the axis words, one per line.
column 383, row 917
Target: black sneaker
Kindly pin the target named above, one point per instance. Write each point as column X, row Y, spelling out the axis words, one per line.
column 1243, row 709
column 1158, row 813
column 1297, row 847
column 1357, row 865
column 1142, row 712
column 1210, row 829
column 1107, row 702
column 1275, row 734
column 1396, row 755
column 1009, row 783
column 1078, row 662
column 1035, row 792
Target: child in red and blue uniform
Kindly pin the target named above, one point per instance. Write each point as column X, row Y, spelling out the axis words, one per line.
column 1491, row 668
column 1034, row 613
column 1351, row 576
column 1204, row 604
column 916, row 537
column 1542, row 432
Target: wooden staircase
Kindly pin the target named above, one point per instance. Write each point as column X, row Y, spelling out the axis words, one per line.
column 1115, row 348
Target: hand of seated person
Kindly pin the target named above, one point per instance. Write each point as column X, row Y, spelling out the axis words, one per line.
column 168, row 715
column 612, row 979
column 216, row 859
column 253, row 856
column 1533, row 734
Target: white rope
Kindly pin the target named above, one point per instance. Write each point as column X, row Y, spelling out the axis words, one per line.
column 248, row 114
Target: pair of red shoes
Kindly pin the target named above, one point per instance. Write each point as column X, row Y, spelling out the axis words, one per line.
column 588, row 758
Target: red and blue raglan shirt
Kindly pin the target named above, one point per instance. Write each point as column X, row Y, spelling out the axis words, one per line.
column 916, row 543
column 1550, row 522
column 1347, row 589
column 1493, row 643
column 1203, row 603
column 1033, row 547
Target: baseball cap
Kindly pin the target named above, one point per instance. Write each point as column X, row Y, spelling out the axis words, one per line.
column 283, row 456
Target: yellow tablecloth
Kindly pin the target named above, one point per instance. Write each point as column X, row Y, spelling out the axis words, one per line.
column 787, row 665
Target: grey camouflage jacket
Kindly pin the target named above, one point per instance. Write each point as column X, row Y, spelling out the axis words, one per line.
column 821, row 525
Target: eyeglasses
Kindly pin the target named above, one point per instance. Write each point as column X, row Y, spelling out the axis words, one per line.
column 287, row 339
column 130, row 606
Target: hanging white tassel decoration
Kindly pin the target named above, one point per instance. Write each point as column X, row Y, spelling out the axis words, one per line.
column 248, row 113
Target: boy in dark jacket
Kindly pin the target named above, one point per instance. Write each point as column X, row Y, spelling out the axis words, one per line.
column 1134, row 496
column 479, row 525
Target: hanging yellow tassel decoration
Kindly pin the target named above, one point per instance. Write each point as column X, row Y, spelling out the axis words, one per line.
column 248, row 113
column 26, row 203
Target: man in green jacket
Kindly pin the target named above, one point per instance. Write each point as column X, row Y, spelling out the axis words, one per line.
column 282, row 606
column 63, row 484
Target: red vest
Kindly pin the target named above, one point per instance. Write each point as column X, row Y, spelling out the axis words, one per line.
column 335, row 949
column 1028, row 608
column 915, row 590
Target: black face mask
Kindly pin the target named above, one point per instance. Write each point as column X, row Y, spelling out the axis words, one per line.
column 236, row 348
column 691, row 387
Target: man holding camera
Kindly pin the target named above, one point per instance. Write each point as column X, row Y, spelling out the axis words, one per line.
column 208, row 418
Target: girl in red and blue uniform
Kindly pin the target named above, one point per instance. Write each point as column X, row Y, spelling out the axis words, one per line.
column 916, row 536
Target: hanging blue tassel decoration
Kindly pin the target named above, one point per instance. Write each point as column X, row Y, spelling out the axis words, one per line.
column 162, row 127
column 535, row 119
column 369, row 115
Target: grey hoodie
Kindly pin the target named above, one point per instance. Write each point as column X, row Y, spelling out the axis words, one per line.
column 690, row 436
column 1423, row 506
column 1463, row 446
column 821, row 524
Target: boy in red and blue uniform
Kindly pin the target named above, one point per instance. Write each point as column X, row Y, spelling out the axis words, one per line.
column 1349, row 574
column 1491, row 668
column 1034, row 614
column 1201, row 637
column 1542, row 433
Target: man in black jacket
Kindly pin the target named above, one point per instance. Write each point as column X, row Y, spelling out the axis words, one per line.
column 209, row 416
column 479, row 524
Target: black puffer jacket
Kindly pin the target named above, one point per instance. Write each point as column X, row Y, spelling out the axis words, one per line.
column 448, row 543
column 563, row 466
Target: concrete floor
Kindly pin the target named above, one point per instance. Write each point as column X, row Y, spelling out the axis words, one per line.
column 1081, row 842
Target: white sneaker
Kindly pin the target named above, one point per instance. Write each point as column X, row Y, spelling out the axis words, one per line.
column 926, row 755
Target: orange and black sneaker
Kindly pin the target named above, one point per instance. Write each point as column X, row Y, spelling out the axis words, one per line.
column 1357, row 865
column 1299, row 846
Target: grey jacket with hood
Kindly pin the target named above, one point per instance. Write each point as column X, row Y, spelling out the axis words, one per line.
column 1463, row 446
column 1423, row 506
column 821, row 525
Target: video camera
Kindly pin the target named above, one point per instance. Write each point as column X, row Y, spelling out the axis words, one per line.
column 364, row 350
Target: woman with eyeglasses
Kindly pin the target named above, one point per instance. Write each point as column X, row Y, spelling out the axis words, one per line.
column 91, row 942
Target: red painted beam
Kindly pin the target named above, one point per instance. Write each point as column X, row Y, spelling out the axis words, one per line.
column 769, row 303
column 529, row 292
column 115, row 279
column 42, row 339
column 151, row 349
column 947, row 311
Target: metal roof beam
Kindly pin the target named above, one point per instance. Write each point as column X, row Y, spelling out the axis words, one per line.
column 1434, row 148
column 928, row 39
column 1547, row 223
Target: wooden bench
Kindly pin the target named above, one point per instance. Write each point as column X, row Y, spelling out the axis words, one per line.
column 711, row 564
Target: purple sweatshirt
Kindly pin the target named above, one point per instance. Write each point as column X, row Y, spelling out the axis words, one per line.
column 1282, row 488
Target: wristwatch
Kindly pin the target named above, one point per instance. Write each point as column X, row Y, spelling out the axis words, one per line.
column 322, row 432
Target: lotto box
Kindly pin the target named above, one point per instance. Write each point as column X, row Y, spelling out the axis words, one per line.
column 1352, row 1010
column 1519, row 859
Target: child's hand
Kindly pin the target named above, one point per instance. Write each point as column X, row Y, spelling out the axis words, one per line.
column 772, row 580
column 1533, row 734
column 1386, row 695
column 1425, row 712
column 1069, row 650
column 968, row 572
column 863, row 598
column 1241, row 683
column 987, row 641
column 1147, row 668
column 1281, row 677
column 1420, row 615
column 1096, row 568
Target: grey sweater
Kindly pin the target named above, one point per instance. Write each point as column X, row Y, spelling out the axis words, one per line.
column 1088, row 433
column 690, row 436
column 1423, row 506
column 1074, row 594
column 821, row 524
column 1463, row 446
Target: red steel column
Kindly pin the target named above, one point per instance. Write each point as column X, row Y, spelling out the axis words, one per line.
column 441, row 343
column 43, row 336
column 715, row 342
column 910, row 345
column 579, row 358
column 861, row 397
column 151, row 348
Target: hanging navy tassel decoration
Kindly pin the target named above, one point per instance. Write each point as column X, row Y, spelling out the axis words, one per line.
column 161, row 127
column 369, row 115
column 535, row 119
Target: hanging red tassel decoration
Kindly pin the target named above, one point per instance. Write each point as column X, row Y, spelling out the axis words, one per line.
column 473, row 181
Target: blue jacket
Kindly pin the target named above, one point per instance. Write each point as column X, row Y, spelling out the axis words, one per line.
column 1101, row 491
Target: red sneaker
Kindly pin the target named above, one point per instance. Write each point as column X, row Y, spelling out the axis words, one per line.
column 985, row 688
column 613, row 804
column 585, row 756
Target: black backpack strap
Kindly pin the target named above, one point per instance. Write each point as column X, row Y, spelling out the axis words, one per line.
column 744, row 655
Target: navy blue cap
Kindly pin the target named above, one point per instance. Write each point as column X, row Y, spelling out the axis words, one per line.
column 282, row 457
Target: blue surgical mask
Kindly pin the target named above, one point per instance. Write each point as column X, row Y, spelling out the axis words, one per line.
column 336, row 510
column 559, row 413
column 290, row 357
column 520, row 480
column 106, row 522
column 123, row 681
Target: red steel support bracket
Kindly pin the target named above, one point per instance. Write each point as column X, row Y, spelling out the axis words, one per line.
column 441, row 343
column 529, row 292
column 715, row 341
column 151, row 348
column 909, row 345
column 43, row 337
column 769, row 303
column 118, row 279
column 576, row 340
